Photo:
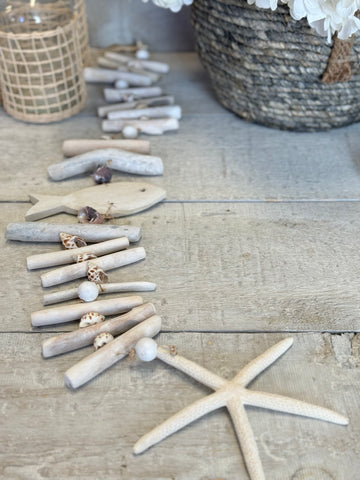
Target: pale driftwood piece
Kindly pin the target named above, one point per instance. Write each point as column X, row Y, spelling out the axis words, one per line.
column 68, row 313
column 121, row 160
column 154, row 77
column 63, row 257
column 234, row 395
column 143, row 103
column 119, row 58
column 152, row 66
column 115, row 199
column 156, row 126
column 79, row 270
column 63, row 296
column 121, row 67
column 102, row 75
column 79, row 146
column 111, row 353
column 83, row 337
column 49, row 232
column 129, row 94
column 108, row 63
column 172, row 111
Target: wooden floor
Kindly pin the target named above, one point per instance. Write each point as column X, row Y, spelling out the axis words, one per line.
column 258, row 240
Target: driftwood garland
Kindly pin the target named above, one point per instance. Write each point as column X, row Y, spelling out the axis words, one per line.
column 94, row 364
column 123, row 161
column 69, row 313
column 50, row 232
column 63, row 257
column 79, row 270
column 82, row 337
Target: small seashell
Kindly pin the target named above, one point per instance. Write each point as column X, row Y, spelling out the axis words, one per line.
column 102, row 174
column 129, row 131
column 91, row 318
column 96, row 274
column 83, row 257
column 102, row 340
column 71, row 241
column 90, row 215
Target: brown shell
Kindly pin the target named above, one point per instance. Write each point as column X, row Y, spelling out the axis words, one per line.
column 90, row 215
column 96, row 274
column 91, row 318
column 71, row 241
column 83, row 257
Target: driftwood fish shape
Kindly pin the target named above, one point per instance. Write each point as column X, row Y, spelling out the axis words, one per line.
column 114, row 199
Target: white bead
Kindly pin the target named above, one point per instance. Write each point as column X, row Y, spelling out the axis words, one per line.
column 121, row 84
column 129, row 131
column 142, row 54
column 88, row 291
column 146, row 349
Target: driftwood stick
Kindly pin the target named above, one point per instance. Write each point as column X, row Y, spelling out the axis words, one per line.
column 119, row 58
column 83, row 337
column 172, row 111
column 79, row 270
column 128, row 162
column 143, row 103
column 105, row 357
column 158, row 67
column 156, row 126
column 74, row 147
column 49, row 232
column 102, row 75
column 68, row 313
column 105, row 62
column 152, row 66
column 130, row 94
column 64, row 257
column 64, row 295
column 154, row 77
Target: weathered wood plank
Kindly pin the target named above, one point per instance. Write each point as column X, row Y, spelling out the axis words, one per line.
column 214, row 156
column 223, row 267
column 48, row 431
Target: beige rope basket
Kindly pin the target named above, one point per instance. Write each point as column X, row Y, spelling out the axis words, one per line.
column 41, row 65
column 273, row 70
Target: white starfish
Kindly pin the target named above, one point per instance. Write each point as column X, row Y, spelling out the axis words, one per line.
column 234, row 395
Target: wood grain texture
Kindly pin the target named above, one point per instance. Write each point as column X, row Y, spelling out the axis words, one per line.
column 226, row 267
column 70, row 441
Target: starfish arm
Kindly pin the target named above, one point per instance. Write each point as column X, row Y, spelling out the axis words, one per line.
column 192, row 369
column 293, row 406
column 246, row 439
column 260, row 363
column 181, row 419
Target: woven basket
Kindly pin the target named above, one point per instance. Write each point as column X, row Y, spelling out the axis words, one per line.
column 41, row 73
column 268, row 68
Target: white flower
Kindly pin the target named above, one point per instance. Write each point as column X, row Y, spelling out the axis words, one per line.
column 264, row 3
column 173, row 5
column 326, row 16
